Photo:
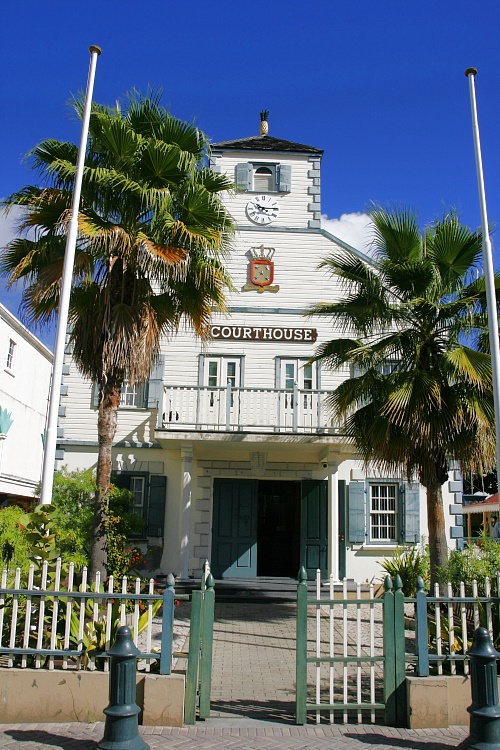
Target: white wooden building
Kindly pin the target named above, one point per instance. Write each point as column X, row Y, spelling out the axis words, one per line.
column 25, row 372
column 228, row 449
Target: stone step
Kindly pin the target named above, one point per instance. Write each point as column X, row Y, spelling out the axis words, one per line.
column 261, row 589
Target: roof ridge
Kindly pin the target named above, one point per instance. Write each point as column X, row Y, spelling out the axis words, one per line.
column 266, row 143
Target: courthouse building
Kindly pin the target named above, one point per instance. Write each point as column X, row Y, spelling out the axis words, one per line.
column 228, row 449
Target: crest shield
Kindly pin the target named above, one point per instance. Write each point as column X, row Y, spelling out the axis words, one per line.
column 261, row 271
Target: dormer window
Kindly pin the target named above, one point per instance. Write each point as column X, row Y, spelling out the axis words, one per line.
column 255, row 177
column 264, row 180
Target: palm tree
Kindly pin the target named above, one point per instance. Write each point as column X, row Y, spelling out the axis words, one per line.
column 153, row 234
column 419, row 399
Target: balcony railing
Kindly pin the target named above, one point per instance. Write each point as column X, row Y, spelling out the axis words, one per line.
column 246, row 410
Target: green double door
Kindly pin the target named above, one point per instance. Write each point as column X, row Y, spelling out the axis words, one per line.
column 272, row 528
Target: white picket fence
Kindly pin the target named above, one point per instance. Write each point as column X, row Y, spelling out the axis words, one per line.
column 51, row 622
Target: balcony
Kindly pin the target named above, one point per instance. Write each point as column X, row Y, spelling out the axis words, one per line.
column 229, row 409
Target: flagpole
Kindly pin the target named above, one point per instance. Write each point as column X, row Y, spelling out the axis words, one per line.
column 489, row 273
column 67, row 275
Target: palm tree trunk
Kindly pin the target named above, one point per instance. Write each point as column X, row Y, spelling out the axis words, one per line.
column 106, row 428
column 438, row 547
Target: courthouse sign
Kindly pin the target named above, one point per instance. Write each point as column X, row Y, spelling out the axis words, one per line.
column 253, row 333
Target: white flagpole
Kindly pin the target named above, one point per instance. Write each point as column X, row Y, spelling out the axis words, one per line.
column 489, row 274
column 67, row 275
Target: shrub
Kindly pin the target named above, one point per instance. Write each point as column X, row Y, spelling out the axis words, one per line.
column 64, row 528
column 409, row 562
column 479, row 561
column 14, row 547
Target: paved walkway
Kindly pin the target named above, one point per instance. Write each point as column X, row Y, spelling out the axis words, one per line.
column 254, row 661
column 231, row 735
column 253, row 693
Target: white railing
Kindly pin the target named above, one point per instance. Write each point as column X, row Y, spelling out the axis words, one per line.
column 246, row 409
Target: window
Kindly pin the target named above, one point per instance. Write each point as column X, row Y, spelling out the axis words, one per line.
column 298, row 371
column 133, row 395
column 263, row 178
column 11, row 355
column 137, row 488
column 219, row 372
column 149, row 493
column 383, row 512
column 389, row 366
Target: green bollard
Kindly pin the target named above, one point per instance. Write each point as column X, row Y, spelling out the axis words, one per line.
column 121, row 730
column 484, row 710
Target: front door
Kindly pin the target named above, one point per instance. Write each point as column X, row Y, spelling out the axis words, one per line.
column 234, row 534
column 314, row 527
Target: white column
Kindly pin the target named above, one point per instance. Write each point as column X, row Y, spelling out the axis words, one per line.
column 333, row 519
column 187, row 485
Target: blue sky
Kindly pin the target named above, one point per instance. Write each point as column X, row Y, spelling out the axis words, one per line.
column 379, row 86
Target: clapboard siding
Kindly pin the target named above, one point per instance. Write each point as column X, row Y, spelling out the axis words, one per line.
column 80, row 420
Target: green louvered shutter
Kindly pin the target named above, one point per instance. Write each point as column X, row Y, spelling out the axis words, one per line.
column 121, row 480
column 156, row 507
column 357, row 512
column 284, row 178
column 411, row 509
column 244, row 176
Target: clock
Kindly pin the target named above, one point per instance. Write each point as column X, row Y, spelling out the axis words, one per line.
column 262, row 209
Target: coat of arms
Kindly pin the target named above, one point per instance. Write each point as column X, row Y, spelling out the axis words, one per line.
column 261, row 270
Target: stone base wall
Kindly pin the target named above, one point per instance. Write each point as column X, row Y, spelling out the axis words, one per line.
column 440, row 701
column 40, row 696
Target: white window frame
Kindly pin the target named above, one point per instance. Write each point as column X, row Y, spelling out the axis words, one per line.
column 273, row 178
column 221, row 377
column 139, row 491
column 11, row 356
column 132, row 396
column 381, row 496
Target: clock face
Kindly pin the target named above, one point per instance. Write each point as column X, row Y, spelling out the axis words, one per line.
column 262, row 209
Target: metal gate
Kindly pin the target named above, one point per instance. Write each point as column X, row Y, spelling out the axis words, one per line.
column 350, row 659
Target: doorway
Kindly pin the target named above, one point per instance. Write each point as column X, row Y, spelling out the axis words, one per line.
column 278, row 530
column 269, row 528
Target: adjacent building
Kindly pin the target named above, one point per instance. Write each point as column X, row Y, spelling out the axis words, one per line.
column 25, row 372
column 228, row 449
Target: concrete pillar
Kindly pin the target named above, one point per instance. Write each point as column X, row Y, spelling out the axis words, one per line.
column 187, row 490
column 333, row 519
